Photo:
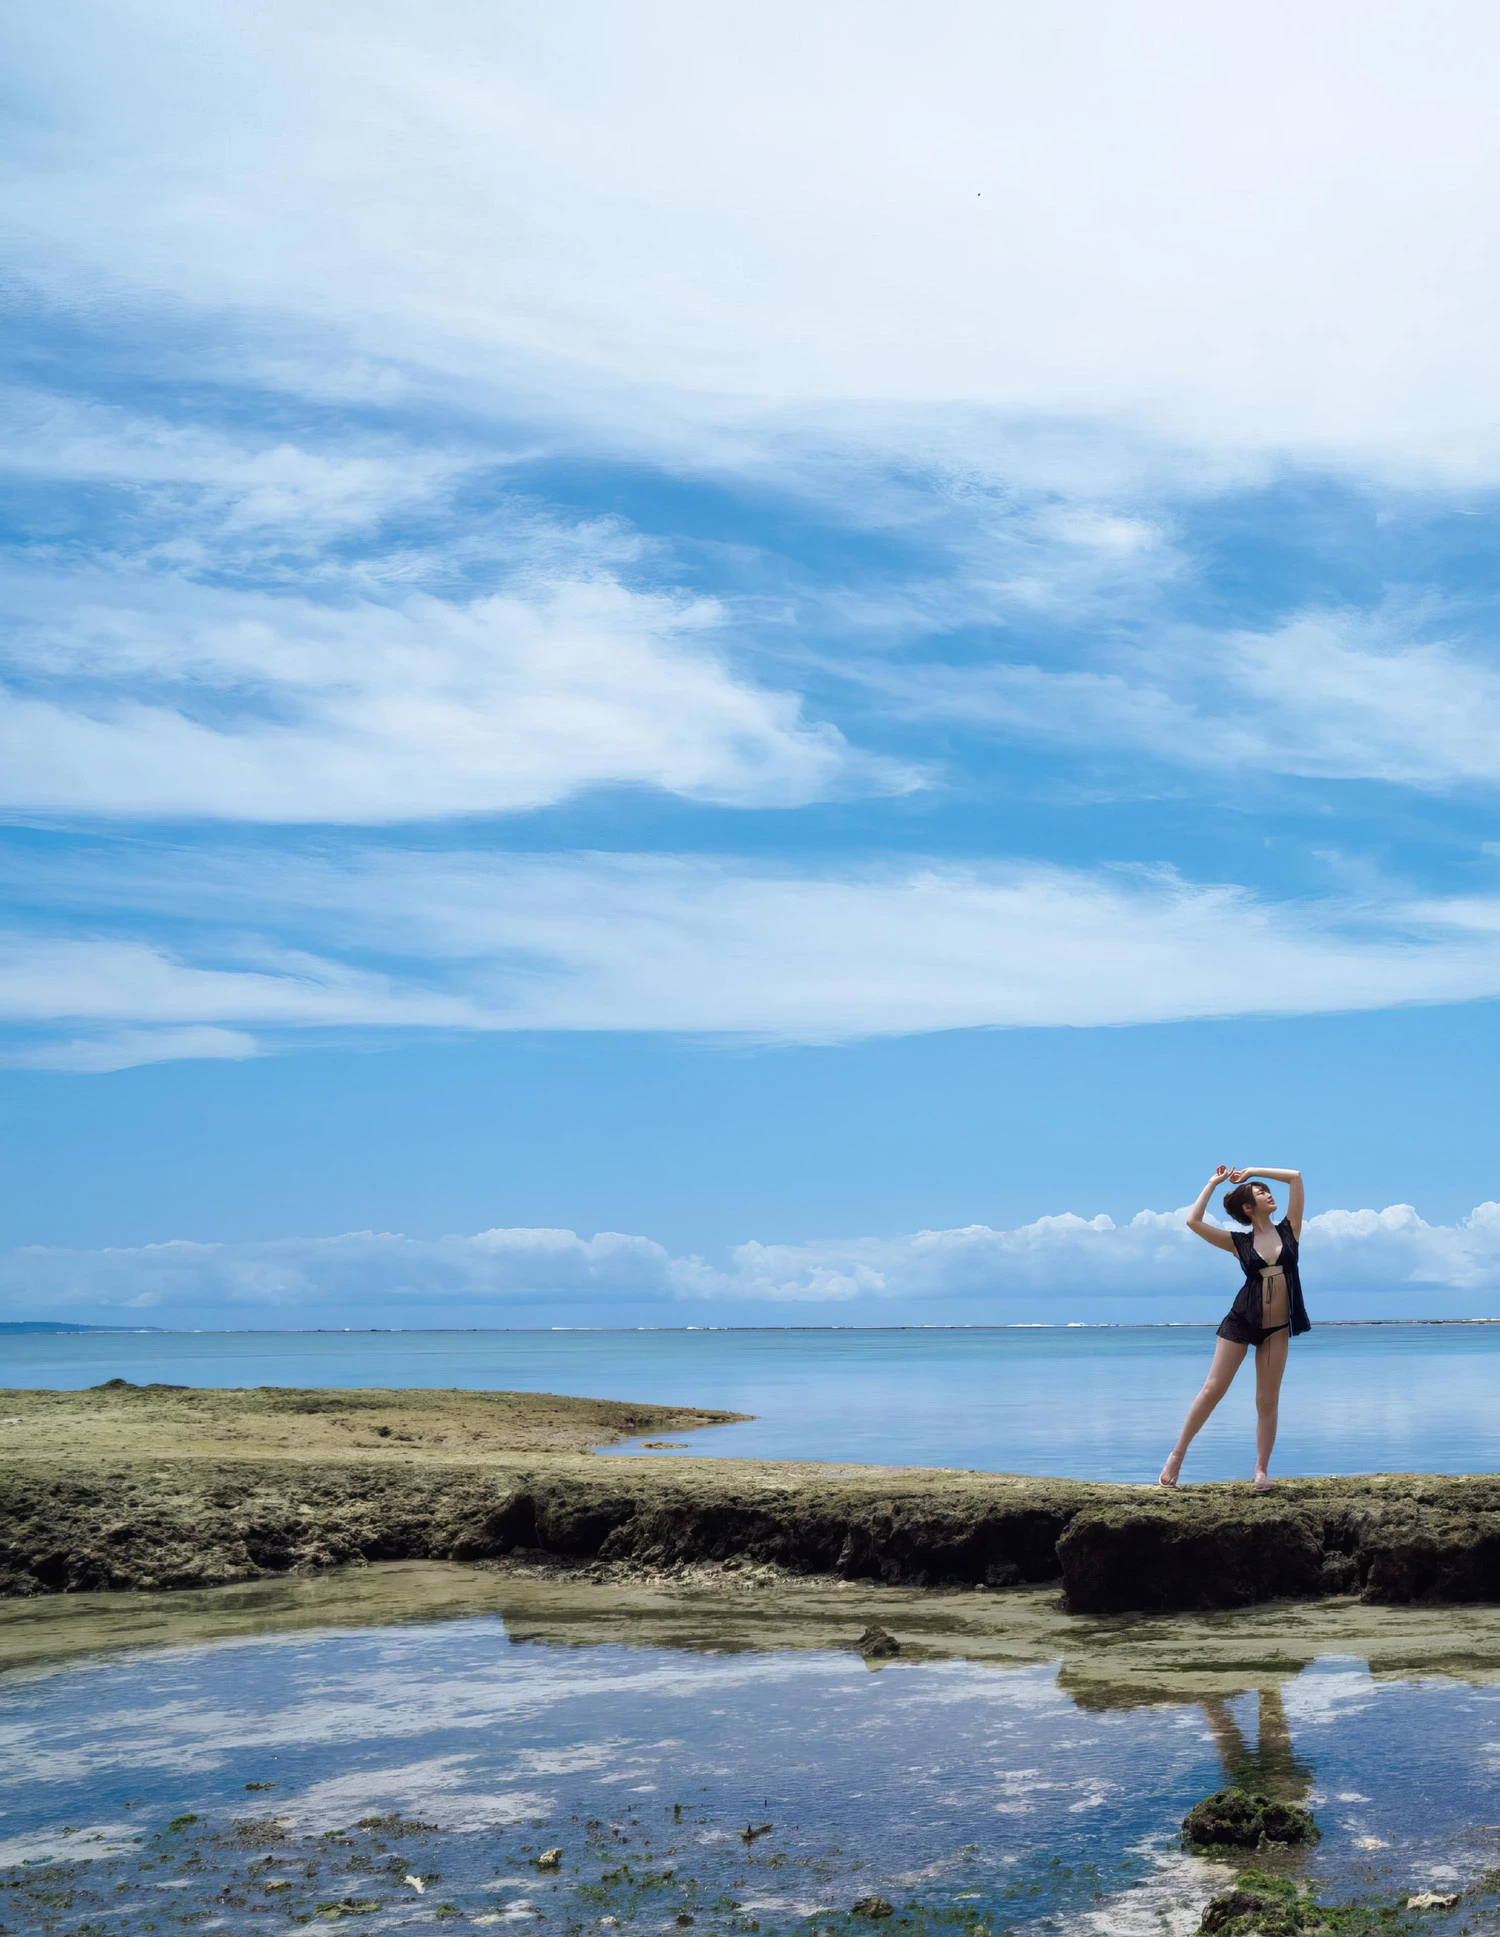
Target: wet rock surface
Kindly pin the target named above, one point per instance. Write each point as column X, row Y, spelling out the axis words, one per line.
column 142, row 1503
column 1239, row 1819
column 1234, row 1907
column 1273, row 1906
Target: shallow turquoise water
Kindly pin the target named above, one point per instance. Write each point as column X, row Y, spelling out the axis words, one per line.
column 1093, row 1404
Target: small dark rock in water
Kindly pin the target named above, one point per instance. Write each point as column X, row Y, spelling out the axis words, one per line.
column 684, row 1918
column 877, row 1640
column 550, row 1859
column 1240, row 1820
column 872, row 1907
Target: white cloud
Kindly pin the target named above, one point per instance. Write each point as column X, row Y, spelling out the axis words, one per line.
column 646, row 942
column 188, row 701
column 379, row 939
column 1326, row 695
column 130, row 1048
column 208, row 480
column 370, row 1273
column 1252, row 228
column 116, row 979
column 356, row 1266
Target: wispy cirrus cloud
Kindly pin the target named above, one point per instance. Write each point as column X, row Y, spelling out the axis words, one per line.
column 214, row 487
column 994, row 210
column 1325, row 695
column 380, row 939
column 131, row 1048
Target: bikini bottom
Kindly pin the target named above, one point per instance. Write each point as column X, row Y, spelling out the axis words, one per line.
column 1243, row 1326
column 1239, row 1331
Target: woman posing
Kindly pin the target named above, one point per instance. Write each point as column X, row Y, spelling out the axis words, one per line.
column 1267, row 1310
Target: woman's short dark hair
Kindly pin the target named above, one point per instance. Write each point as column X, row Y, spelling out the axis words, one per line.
column 1237, row 1203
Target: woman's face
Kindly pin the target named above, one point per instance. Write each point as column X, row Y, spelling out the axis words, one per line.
column 1264, row 1200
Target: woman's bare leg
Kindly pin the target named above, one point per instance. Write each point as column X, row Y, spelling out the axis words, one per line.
column 1228, row 1358
column 1270, row 1363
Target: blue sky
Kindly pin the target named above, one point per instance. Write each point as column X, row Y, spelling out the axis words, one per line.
column 845, row 648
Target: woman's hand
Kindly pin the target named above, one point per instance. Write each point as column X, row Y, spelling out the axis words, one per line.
column 1221, row 1239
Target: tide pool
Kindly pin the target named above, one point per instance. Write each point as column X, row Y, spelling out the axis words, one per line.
column 327, row 1775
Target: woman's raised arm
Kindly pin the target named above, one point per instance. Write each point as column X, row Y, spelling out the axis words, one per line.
column 1195, row 1216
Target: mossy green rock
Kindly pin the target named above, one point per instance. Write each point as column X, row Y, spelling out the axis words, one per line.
column 1268, row 1906
column 1237, row 1819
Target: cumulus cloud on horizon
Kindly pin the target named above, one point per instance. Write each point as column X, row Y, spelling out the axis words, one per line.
column 1151, row 1265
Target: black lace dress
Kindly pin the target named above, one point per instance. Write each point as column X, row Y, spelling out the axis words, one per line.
column 1269, row 1291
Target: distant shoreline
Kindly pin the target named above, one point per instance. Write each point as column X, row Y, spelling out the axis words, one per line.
column 38, row 1329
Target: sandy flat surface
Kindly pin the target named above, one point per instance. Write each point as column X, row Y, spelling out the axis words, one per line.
column 120, row 1421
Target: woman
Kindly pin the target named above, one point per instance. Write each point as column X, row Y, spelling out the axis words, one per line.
column 1267, row 1310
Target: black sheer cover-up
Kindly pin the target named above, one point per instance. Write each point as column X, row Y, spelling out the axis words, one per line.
column 1244, row 1324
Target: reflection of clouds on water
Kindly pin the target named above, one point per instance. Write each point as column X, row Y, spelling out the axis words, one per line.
column 1010, row 1688
column 86, row 1844
column 1023, row 1791
column 565, row 1762
column 409, row 1690
column 434, row 1788
column 31, row 1758
column 1327, row 1693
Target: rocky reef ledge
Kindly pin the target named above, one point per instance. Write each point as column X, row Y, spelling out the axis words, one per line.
column 150, row 1487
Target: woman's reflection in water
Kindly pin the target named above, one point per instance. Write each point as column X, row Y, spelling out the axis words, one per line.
column 1271, row 1768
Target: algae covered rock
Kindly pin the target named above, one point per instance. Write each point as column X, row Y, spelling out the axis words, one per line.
column 1235, row 1907
column 1238, row 1819
column 1266, row 1906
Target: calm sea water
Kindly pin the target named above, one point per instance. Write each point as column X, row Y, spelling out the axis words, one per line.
column 1090, row 1404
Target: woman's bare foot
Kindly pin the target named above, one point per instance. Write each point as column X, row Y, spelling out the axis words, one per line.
column 1170, row 1471
column 1263, row 1483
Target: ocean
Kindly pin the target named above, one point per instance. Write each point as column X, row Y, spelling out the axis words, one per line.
column 1083, row 1402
